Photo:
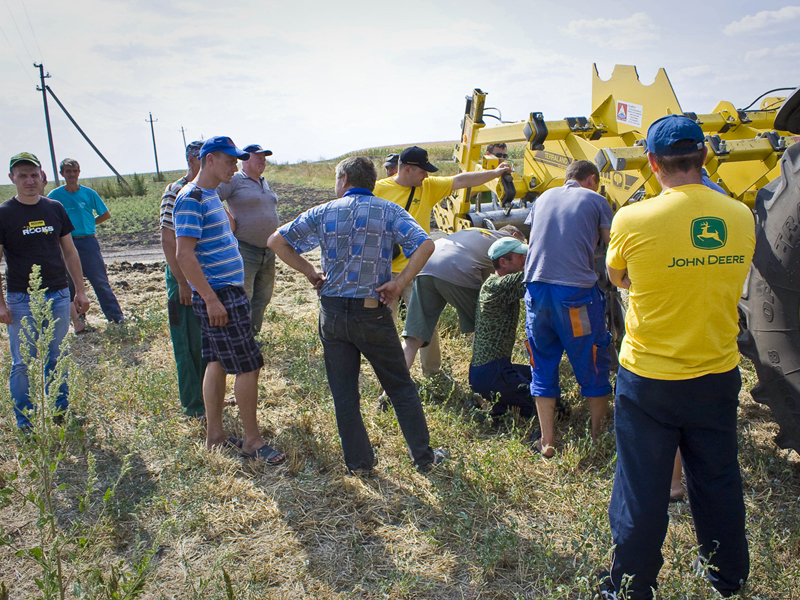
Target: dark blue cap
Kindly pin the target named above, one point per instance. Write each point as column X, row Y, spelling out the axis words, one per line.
column 667, row 131
column 256, row 149
column 224, row 144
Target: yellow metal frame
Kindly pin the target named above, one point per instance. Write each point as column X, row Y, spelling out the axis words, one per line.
column 744, row 150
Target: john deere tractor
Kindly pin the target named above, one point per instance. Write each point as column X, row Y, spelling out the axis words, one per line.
column 753, row 155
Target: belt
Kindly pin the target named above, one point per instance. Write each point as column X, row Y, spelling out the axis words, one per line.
column 351, row 302
column 80, row 237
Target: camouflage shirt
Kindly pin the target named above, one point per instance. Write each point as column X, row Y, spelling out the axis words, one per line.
column 496, row 318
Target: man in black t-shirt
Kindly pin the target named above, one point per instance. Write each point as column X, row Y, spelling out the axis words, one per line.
column 35, row 230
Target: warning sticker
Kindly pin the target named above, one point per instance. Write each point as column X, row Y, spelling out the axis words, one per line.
column 629, row 113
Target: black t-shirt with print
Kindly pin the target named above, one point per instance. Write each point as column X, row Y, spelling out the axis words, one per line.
column 31, row 235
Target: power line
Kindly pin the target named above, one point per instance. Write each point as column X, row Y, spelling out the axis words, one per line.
column 18, row 58
column 36, row 41
column 18, row 31
column 129, row 110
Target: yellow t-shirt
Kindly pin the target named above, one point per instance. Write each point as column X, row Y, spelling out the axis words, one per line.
column 433, row 190
column 687, row 252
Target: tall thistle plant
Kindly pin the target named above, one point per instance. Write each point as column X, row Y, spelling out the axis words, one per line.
column 41, row 454
column 71, row 558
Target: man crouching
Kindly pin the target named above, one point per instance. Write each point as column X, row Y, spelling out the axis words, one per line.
column 356, row 233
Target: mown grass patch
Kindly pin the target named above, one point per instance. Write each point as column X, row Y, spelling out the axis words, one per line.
column 495, row 522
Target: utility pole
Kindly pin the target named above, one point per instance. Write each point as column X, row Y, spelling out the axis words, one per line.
column 184, row 136
column 120, row 178
column 42, row 89
column 155, row 152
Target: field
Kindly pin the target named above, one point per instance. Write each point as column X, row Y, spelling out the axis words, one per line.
column 495, row 522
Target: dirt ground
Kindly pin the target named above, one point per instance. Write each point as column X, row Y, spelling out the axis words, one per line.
column 146, row 246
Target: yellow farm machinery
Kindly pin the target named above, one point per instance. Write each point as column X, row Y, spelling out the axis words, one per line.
column 753, row 155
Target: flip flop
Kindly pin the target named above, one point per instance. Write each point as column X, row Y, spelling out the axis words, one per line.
column 268, row 454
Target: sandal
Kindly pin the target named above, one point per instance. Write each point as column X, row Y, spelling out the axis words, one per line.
column 232, row 443
column 268, row 454
column 537, row 449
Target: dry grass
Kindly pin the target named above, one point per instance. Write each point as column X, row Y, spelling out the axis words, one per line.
column 496, row 522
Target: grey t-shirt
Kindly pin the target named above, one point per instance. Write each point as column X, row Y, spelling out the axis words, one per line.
column 253, row 206
column 565, row 228
column 462, row 257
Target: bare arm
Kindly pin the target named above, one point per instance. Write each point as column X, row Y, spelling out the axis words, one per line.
column 619, row 278
column 605, row 235
column 73, row 262
column 102, row 218
column 476, row 178
column 231, row 220
column 278, row 244
column 390, row 290
column 170, row 247
column 217, row 315
column 5, row 314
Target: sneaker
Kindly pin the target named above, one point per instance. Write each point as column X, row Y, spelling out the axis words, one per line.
column 604, row 586
column 68, row 417
column 197, row 420
column 370, row 472
column 440, row 455
column 383, row 403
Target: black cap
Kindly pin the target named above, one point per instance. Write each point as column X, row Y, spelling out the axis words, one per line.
column 417, row 157
column 391, row 160
column 256, row 149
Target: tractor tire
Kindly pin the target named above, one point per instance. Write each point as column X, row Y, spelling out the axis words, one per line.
column 769, row 310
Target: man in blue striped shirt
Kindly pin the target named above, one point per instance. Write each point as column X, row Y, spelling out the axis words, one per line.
column 356, row 234
column 208, row 255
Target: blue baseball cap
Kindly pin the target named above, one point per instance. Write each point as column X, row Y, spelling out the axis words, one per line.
column 256, row 149
column 224, row 144
column 667, row 131
column 505, row 246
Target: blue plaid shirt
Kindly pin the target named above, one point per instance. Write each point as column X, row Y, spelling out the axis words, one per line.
column 356, row 234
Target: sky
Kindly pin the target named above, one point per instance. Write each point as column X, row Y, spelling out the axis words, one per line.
column 315, row 79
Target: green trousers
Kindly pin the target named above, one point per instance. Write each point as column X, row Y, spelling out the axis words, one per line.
column 184, row 328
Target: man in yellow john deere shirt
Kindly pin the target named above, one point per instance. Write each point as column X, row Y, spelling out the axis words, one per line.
column 684, row 255
column 418, row 193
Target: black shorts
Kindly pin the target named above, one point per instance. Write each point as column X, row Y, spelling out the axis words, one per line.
column 233, row 346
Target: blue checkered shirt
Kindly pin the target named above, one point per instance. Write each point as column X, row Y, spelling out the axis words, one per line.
column 356, row 234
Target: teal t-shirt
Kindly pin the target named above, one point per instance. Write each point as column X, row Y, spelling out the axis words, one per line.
column 81, row 206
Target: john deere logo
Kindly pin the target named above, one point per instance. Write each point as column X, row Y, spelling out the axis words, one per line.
column 709, row 233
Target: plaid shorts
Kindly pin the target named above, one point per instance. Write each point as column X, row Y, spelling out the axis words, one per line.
column 233, row 346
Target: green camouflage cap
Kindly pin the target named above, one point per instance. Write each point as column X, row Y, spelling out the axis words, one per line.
column 24, row 157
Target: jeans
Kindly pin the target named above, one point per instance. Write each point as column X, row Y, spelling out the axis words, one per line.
column 512, row 383
column 94, row 269
column 348, row 330
column 653, row 418
column 184, row 329
column 259, row 280
column 19, row 305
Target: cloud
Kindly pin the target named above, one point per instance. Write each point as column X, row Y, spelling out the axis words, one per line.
column 638, row 29
column 783, row 51
column 697, row 71
column 761, row 20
